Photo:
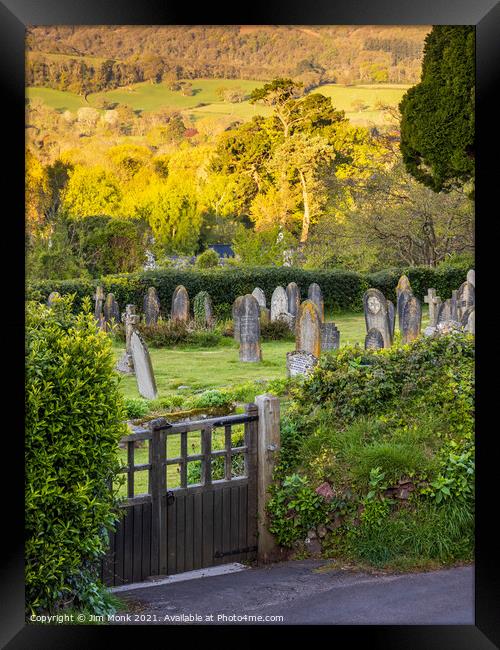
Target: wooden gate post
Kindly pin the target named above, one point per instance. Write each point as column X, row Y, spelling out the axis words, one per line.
column 268, row 447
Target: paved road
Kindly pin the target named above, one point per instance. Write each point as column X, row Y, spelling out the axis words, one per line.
column 301, row 594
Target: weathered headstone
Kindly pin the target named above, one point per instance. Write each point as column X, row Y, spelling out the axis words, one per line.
column 403, row 296
column 151, row 306
column 471, row 277
column 53, row 296
column 377, row 314
column 454, row 305
column 111, row 311
column 403, row 285
column 392, row 317
column 434, row 302
column 265, row 315
column 203, row 309
column 374, row 339
column 249, row 312
column 144, row 374
column 180, row 305
column 299, row 363
column 466, row 298
column 293, row 295
column 260, row 296
column 236, row 311
column 279, row 304
column 130, row 320
column 469, row 320
column 411, row 320
column 314, row 293
column 99, row 297
column 330, row 337
column 308, row 329
column 445, row 312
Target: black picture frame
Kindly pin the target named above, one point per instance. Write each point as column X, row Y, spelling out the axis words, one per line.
column 485, row 15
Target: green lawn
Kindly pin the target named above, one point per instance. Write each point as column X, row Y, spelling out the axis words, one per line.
column 58, row 99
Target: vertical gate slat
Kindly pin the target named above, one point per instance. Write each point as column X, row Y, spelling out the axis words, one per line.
column 197, row 530
column 218, row 523
column 180, row 526
column 109, row 561
column 226, row 522
column 171, row 537
column 128, row 545
column 119, row 575
column 163, row 548
column 137, row 546
column 234, row 520
column 146, row 541
column 208, row 528
column 243, row 516
column 189, row 517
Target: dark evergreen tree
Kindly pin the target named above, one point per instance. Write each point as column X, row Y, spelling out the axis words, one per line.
column 437, row 124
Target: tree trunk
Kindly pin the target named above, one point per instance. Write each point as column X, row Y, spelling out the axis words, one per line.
column 307, row 215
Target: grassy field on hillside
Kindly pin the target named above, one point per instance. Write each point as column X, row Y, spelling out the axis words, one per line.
column 151, row 97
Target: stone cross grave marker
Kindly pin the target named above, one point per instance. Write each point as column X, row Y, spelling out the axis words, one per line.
column 308, row 329
column 374, row 339
column 411, row 320
column 99, row 297
column 465, row 298
column 299, row 363
column 203, row 309
column 330, row 337
column 377, row 314
column 151, row 306
column 314, row 293
column 279, row 304
column 180, row 305
column 130, row 320
column 249, row 326
column 293, row 295
column 434, row 302
column 111, row 311
column 144, row 375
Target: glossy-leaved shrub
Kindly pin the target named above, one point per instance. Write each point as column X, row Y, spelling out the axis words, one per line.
column 74, row 420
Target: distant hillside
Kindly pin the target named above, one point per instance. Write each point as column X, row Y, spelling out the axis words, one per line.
column 91, row 59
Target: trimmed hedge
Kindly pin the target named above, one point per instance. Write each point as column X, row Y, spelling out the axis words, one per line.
column 342, row 290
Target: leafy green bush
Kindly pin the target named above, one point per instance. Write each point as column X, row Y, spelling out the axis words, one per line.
column 136, row 407
column 207, row 260
column 276, row 330
column 74, row 420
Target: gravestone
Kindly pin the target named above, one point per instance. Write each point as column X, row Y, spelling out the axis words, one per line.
column 392, row 317
column 260, row 296
column 308, row 329
column 374, row 339
column 469, row 320
column 236, row 311
column 403, row 285
column 330, row 337
column 130, row 320
column 203, row 310
column 111, row 311
column 434, row 302
column 293, row 295
column 377, row 314
column 53, row 296
column 279, row 304
column 471, row 277
column 314, row 293
column 143, row 367
column 151, row 306
column 454, row 305
column 465, row 298
column 299, row 363
column 99, row 297
column 411, row 320
column 180, row 305
column 445, row 312
column 403, row 297
column 249, row 313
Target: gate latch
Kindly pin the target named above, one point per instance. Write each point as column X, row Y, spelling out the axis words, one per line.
column 170, row 497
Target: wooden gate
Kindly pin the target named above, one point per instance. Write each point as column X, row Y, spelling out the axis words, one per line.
column 199, row 508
